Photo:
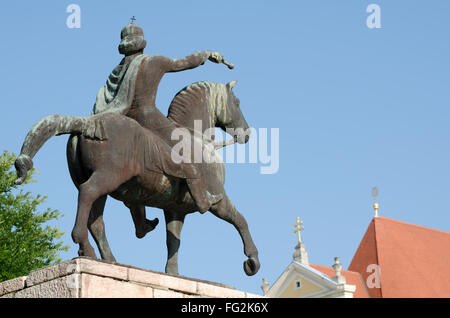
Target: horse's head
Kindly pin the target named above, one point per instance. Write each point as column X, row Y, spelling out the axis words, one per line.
column 212, row 103
column 229, row 117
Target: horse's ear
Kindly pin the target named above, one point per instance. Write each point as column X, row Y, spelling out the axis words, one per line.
column 231, row 84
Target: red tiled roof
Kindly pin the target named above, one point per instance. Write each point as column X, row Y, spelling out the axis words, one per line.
column 414, row 261
column 352, row 278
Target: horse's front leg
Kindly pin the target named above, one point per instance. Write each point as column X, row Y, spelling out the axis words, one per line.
column 174, row 224
column 227, row 212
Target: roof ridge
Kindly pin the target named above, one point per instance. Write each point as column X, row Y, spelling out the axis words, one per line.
column 330, row 267
column 411, row 224
column 376, row 252
column 348, row 275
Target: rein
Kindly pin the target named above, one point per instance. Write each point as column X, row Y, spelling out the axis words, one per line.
column 221, row 144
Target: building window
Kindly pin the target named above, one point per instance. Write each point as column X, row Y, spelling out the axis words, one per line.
column 298, row 284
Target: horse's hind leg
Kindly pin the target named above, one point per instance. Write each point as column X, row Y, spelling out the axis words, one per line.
column 174, row 224
column 141, row 224
column 97, row 228
column 227, row 212
column 99, row 184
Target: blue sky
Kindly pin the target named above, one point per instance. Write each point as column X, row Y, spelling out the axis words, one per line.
column 355, row 107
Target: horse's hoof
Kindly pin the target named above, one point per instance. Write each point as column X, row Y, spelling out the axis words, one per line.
column 148, row 227
column 172, row 270
column 22, row 164
column 82, row 253
column 87, row 251
column 110, row 259
column 251, row 266
column 153, row 223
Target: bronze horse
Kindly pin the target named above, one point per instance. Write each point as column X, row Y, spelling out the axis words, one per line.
column 111, row 154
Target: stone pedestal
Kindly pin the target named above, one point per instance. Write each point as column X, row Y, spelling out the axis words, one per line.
column 87, row 278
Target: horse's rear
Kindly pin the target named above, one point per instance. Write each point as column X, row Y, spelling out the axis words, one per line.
column 134, row 159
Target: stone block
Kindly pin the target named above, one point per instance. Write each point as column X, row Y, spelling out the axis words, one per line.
column 208, row 290
column 100, row 268
column 162, row 280
column 63, row 287
column 161, row 293
column 49, row 273
column 105, row 287
column 12, row 285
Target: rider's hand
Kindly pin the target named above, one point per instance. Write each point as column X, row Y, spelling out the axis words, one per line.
column 216, row 57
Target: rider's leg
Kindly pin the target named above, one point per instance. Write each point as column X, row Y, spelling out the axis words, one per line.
column 203, row 199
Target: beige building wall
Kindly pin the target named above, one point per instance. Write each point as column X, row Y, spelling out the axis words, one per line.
column 306, row 288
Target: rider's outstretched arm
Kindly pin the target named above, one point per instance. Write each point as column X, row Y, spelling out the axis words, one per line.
column 191, row 61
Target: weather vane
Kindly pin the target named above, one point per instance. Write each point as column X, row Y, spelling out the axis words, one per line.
column 298, row 227
column 375, row 202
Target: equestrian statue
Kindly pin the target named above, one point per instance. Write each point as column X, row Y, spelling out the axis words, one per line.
column 124, row 149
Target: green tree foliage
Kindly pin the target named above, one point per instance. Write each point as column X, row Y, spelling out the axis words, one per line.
column 26, row 243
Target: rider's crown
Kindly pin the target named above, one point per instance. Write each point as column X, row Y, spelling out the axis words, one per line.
column 132, row 39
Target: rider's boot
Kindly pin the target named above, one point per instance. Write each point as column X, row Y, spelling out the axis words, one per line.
column 203, row 199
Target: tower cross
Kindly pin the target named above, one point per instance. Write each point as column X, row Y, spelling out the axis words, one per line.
column 298, row 227
column 375, row 201
column 133, row 19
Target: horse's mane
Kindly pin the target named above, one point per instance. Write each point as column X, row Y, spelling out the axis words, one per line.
column 195, row 95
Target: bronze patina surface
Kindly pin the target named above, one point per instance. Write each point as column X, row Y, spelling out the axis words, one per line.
column 124, row 150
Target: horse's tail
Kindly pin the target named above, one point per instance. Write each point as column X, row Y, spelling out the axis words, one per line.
column 42, row 131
